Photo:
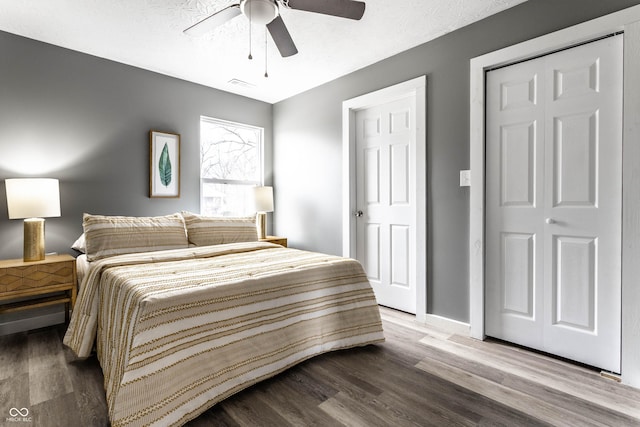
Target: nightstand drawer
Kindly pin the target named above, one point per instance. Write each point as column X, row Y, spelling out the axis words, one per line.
column 28, row 277
column 52, row 280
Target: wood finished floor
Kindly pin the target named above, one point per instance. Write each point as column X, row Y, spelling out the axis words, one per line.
column 420, row 376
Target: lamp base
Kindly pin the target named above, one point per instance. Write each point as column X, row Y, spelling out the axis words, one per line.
column 33, row 239
column 261, row 222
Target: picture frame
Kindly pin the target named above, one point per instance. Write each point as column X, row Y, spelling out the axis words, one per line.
column 164, row 164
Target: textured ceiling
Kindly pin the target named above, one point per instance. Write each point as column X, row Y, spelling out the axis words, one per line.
column 148, row 34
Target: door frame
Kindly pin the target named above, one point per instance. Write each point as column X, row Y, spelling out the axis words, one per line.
column 628, row 22
column 416, row 87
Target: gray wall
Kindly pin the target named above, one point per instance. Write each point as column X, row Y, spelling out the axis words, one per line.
column 308, row 141
column 85, row 121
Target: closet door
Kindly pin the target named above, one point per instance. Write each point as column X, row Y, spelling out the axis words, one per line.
column 553, row 197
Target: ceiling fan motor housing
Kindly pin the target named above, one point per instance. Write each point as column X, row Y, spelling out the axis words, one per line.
column 259, row 12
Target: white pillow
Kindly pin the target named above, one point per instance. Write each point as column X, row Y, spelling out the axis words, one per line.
column 204, row 231
column 115, row 235
column 79, row 245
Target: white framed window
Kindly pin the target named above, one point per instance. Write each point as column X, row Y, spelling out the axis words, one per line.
column 231, row 163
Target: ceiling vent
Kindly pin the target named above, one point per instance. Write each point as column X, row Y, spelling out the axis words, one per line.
column 242, row 83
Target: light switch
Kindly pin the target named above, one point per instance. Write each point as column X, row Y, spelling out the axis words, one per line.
column 465, row 178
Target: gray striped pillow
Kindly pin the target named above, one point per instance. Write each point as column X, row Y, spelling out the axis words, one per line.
column 116, row 235
column 204, row 231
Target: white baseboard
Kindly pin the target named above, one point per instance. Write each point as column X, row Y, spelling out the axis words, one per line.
column 29, row 323
column 444, row 323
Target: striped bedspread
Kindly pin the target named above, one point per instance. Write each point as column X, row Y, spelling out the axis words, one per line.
column 178, row 331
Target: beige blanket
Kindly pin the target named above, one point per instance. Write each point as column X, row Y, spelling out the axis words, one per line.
column 178, row 331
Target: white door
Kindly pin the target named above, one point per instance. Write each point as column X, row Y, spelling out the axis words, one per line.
column 553, row 203
column 385, row 200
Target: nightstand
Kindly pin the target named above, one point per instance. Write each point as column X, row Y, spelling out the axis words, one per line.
column 52, row 280
column 282, row 241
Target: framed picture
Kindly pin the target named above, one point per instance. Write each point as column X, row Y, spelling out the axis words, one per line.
column 164, row 164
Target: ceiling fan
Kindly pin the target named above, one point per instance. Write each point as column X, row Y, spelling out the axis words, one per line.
column 266, row 12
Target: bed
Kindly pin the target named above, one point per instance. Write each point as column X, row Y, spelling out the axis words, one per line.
column 178, row 330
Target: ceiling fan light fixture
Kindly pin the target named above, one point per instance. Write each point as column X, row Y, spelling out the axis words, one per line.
column 259, row 12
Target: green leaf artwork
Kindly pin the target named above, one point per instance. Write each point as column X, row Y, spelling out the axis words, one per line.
column 164, row 166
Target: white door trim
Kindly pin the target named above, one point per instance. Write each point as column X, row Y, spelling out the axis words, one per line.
column 416, row 87
column 627, row 21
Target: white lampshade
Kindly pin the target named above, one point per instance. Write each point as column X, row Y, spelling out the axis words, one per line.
column 32, row 197
column 263, row 199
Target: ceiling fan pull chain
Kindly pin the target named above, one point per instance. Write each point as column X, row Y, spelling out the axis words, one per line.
column 250, row 14
column 266, row 74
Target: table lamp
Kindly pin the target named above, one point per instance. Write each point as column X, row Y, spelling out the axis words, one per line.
column 263, row 204
column 33, row 199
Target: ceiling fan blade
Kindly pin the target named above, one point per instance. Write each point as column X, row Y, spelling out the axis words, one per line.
column 211, row 22
column 281, row 37
column 343, row 8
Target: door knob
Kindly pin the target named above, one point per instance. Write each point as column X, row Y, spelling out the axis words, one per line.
column 550, row 221
column 359, row 213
